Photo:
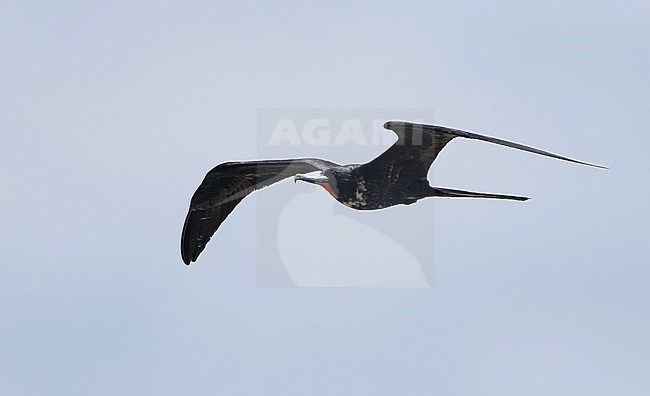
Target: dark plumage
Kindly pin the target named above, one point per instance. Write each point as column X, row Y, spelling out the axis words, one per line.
column 397, row 176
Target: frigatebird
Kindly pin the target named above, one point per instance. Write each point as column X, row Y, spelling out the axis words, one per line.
column 397, row 176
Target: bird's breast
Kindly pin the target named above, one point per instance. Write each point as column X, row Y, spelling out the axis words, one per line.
column 363, row 196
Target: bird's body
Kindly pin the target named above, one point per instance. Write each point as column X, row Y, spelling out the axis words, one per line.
column 358, row 187
column 397, row 176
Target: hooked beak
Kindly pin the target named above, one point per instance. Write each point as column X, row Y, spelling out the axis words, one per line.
column 319, row 179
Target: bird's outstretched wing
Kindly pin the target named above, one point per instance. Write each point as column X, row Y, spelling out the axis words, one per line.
column 224, row 187
column 418, row 146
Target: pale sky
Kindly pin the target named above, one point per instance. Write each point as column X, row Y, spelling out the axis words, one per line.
column 112, row 113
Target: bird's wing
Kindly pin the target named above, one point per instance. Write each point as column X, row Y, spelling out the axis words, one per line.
column 418, row 145
column 224, row 187
column 412, row 153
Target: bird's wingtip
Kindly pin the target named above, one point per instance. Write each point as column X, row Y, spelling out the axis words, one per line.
column 592, row 165
column 187, row 260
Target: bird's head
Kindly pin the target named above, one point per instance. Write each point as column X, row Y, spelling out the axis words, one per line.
column 325, row 179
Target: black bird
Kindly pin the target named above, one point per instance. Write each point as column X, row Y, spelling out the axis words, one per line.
column 397, row 176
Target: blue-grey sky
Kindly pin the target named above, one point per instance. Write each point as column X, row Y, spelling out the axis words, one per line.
column 112, row 112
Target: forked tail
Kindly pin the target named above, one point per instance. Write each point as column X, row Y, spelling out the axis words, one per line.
column 447, row 192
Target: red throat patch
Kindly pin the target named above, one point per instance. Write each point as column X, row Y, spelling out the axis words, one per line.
column 330, row 190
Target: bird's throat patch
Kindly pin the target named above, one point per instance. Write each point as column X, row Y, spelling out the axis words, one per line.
column 330, row 190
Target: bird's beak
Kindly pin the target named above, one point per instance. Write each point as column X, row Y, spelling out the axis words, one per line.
column 319, row 179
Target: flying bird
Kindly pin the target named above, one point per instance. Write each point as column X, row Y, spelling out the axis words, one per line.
column 397, row 176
